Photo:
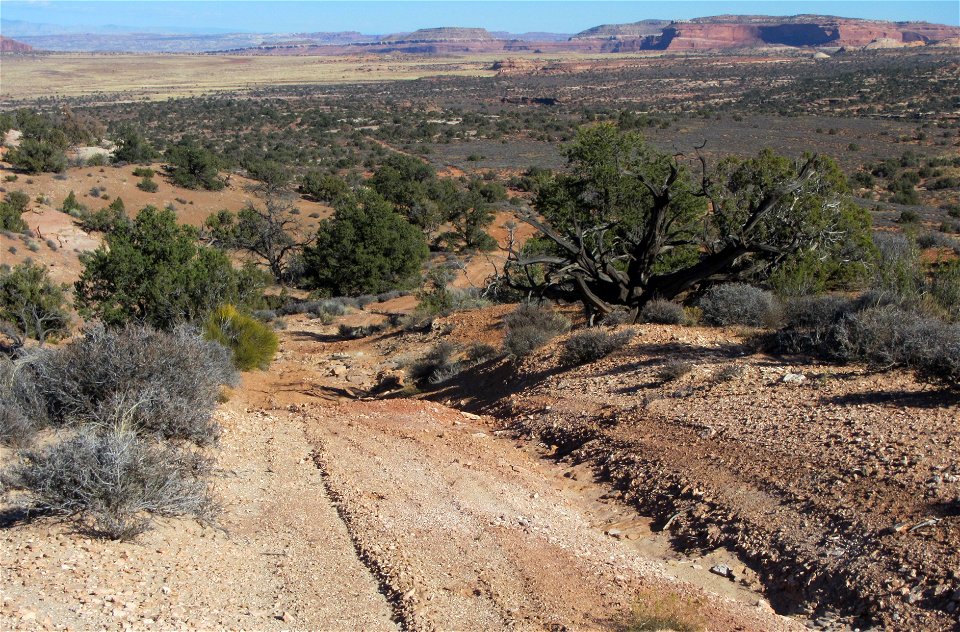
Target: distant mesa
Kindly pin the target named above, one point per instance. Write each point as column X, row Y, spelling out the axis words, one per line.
column 758, row 31
column 442, row 34
column 8, row 45
column 643, row 28
column 715, row 33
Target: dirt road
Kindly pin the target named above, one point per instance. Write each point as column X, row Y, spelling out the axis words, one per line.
column 369, row 515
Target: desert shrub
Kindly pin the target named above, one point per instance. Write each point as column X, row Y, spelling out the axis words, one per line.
column 32, row 304
column 438, row 365
column 888, row 336
column 132, row 147
column 728, row 372
column 106, row 220
column 437, row 297
column 253, row 343
column 738, row 304
column 36, row 156
column 945, row 288
column 591, row 345
column 810, row 323
column 193, row 167
column 478, row 352
column 168, row 381
column 357, row 332
column 674, row 370
column 908, row 217
column 930, row 239
column 113, row 482
column 618, row 317
column 11, row 210
column 897, row 270
column 326, row 310
column 144, row 172
column 663, row 313
column 530, row 327
column 656, row 611
column 950, row 226
column 154, row 272
column 326, row 188
column 365, row 248
column 22, row 410
column 148, row 184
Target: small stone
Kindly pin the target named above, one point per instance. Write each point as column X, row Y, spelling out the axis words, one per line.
column 793, row 378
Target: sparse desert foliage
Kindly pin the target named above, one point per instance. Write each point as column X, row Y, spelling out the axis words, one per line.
column 11, row 211
column 112, row 482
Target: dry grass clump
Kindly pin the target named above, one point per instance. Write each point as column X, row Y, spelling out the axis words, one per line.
column 659, row 612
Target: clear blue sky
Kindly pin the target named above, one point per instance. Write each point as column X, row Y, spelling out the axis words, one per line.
column 393, row 16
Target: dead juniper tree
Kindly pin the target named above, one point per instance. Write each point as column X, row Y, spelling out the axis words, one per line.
column 626, row 224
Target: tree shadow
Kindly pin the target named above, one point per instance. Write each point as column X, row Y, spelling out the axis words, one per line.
column 913, row 399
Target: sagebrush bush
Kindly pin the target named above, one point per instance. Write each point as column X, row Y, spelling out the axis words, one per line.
column 591, row 345
column 810, row 323
column 168, row 381
column 438, row 365
column 674, row 370
column 663, row 313
column 738, row 304
column 479, row 352
column 945, row 288
column 889, row 336
column 617, row 317
column 531, row 326
column 22, row 411
column 113, row 481
column 252, row 342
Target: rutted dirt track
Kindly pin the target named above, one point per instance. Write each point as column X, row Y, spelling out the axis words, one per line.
column 366, row 515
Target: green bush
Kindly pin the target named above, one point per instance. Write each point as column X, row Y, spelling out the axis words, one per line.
column 11, row 209
column 155, row 272
column 144, row 172
column 31, row 303
column 366, row 248
column 253, row 343
column 148, row 185
column 193, row 167
column 37, row 156
column 132, row 147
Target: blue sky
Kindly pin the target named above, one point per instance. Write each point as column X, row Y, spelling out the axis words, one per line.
column 393, row 16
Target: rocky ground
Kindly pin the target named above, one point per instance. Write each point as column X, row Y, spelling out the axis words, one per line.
column 839, row 487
